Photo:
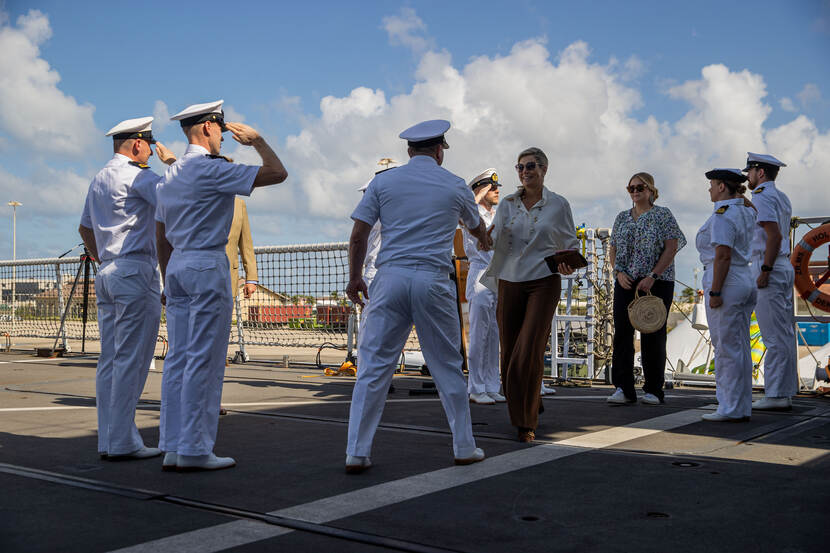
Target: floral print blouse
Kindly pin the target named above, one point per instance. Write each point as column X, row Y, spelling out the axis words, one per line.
column 640, row 243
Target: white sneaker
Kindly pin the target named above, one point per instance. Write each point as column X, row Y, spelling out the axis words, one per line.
column 497, row 397
column 618, row 398
column 170, row 461
column 773, row 404
column 717, row 417
column 143, row 453
column 356, row 464
column 545, row 391
column 482, row 399
column 478, row 455
column 193, row 463
column 651, row 399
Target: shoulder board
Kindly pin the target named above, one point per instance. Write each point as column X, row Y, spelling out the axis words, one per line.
column 758, row 190
column 139, row 165
column 721, row 210
column 212, row 156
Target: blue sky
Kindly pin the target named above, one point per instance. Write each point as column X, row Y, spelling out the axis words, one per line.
column 606, row 88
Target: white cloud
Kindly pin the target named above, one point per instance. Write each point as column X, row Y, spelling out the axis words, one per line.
column 787, row 104
column 33, row 110
column 810, row 94
column 409, row 30
column 577, row 110
column 161, row 116
column 47, row 191
column 232, row 115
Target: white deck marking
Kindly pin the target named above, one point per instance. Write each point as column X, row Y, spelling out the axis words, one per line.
column 40, row 360
column 53, row 408
column 233, row 534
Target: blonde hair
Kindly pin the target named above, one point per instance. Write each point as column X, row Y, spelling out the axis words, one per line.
column 648, row 180
column 537, row 154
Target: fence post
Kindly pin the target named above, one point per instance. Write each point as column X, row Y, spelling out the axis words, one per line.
column 59, row 305
column 241, row 355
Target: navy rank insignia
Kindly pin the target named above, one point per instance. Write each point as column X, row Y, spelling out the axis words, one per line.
column 721, row 210
column 214, row 156
column 140, row 165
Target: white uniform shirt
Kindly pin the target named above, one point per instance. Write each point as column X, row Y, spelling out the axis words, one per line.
column 474, row 255
column 419, row 205
column 372, row 250
column 119, row 209
column 195, row 199
column 772, row 205
column 730, row 225
column 523, row 239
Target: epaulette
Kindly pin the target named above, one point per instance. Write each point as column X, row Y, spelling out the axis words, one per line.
column 758, row 190
column 139, row 165
column 722, row 209
column 216, row 156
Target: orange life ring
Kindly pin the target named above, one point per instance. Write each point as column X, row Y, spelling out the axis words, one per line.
column 801, row 262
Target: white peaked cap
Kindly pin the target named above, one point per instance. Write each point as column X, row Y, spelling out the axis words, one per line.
column 488, row 174
column 752, row 160
column 133, row 126
column 199, row 109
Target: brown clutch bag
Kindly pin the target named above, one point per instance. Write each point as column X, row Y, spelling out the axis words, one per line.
column 570, row 257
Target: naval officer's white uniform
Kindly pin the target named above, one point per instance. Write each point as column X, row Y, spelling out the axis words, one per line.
column 195, row 203
column 730, row 225
column 774, row 309
column 119, row 209
column 483, row 350
column 419, row 205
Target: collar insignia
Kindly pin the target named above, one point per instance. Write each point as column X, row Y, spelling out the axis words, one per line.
column 212, row 156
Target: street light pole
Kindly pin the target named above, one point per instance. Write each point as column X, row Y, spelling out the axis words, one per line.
column 14, row 205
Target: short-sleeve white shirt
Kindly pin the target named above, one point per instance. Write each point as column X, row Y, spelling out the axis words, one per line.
column 418, row 205
column 119, row 209
column 195, row 199
column 474, row 255
column 730, row 225
column 772, row 205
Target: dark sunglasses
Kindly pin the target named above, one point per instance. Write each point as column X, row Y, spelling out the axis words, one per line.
column 530, row 166
column 635, row 188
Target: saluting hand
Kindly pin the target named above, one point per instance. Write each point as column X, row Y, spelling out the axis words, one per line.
column 165, row 155
column 242, row 133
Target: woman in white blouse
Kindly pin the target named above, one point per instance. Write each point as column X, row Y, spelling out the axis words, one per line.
column 530, row 225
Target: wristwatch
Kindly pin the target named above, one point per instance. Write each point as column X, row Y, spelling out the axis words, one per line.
column 766, row 268
column 654, row 276
column 714, row 294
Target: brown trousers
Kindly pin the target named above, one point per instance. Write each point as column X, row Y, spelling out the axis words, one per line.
column 524, row 314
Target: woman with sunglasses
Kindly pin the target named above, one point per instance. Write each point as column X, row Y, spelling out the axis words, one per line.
column 531, row 224
column 644, row 241
column 724, row 243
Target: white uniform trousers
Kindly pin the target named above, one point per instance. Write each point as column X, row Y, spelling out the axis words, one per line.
column 400, row 297
column 729, row 332
column 199, row 307
column 483, row 346
column 129, row 307
column 774, row 311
